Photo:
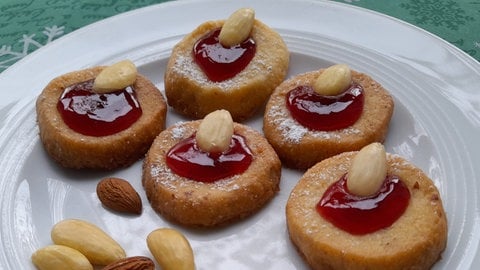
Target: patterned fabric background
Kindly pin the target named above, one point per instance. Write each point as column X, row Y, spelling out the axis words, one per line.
column 26, row 25
column 456, row 21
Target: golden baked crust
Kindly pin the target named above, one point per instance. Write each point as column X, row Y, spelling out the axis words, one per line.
column 415, row 241
column 299, row 147
column 74, row 150
column 191, row 93
column 190, row 202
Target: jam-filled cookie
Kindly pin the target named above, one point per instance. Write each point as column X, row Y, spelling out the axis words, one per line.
column 318, row 114
column 232, row 64
column 100, row 117
column 367, row 210
column 210, row 172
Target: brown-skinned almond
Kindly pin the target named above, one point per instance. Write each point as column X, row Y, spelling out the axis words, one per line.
column 119, row 195
column 132, row 263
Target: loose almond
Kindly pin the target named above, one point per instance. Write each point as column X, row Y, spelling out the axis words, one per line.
column 58, row 257
column 132, row 263
column 368, row 170
column 90, row 240
column 237, row 27
column 215, row 132
column 333, row 80
column 119, row 195
column 115, row 77
column 171, row 249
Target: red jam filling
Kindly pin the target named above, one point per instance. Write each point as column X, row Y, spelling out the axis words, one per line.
column 92, row 114
column 363, row 215
column 219, row 62
column 325, row 113
column 187, row 160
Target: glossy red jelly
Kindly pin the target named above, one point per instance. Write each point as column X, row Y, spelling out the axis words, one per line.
column 362, row 215
column 187, row 160
column 93, row 114
column 325, row 113
column 219, row 62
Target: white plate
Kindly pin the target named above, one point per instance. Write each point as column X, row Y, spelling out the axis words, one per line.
column 435, row 125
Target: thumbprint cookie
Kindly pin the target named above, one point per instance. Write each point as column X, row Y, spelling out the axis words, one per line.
column 367, row 209
column 318, row 114
column 232, row 64
column 210, row 172
column 100, row 117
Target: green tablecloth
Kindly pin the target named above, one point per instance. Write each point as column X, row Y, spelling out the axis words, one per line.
column 26, row 25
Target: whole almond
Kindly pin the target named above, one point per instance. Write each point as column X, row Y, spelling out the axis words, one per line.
column 215, row 132
column 132, row 263
column 90, row 240
column 171, row 249
column 119, row 195
column 237, row 27
column 333, row 80
column 368, row 170
column 115, row 77
column 59, row 257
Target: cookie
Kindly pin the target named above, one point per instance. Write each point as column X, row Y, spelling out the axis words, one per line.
column 205, row 202
column 192, row 93
column 414, row 241
column 86, row 146
column 301, row 147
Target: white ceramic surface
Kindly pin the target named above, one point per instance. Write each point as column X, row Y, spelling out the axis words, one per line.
column 435, row 125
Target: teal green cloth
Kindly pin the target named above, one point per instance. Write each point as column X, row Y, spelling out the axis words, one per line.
column 456, row 21
column 26, row 25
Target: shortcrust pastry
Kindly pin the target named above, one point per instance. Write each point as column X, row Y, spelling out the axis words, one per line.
column 74, row 149
column 301, row 147
column 208, row 202
column 414, row 241
column 192, row 93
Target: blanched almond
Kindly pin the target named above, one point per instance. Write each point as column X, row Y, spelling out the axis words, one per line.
column 115, row 77
column 333, row 80
column 90, row 240
column 215, row 132
column 171, row 249
column 58, row 257
column 368, row 170
column 237, row 27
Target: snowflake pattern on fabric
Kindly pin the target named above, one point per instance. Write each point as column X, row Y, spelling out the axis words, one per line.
column 437, row 13
column 25, row 24
column 9, row 56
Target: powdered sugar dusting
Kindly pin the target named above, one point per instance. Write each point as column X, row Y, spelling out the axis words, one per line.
column 288, row 127
column 185, row 65
column 164, row 176
column 155, row 171
column 290, row 131
column 187, row 68
column 178, row 131
column 293, row 132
